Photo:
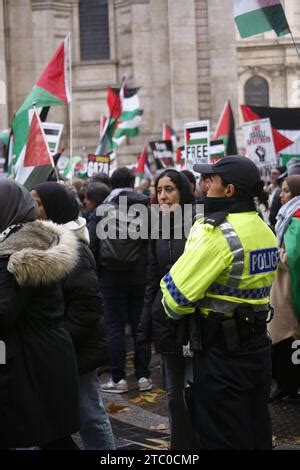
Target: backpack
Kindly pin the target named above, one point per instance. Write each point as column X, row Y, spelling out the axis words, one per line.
column 120, row 252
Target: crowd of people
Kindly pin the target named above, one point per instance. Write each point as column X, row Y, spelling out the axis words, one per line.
column 210, row 293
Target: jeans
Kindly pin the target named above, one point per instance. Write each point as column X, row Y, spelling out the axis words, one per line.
column 183, row 436
column 95, row 428
column 123, row 304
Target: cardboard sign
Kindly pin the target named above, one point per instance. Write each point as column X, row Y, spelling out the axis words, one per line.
column 196, row 141
column 259, row 142
column 98, row 164
column 162, row 153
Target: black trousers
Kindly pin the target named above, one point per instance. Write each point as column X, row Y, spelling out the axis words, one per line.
column 231, row 396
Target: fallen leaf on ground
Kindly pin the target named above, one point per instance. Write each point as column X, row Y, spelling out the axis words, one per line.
column 159, row 427
column 114, row 408
column 137, row 400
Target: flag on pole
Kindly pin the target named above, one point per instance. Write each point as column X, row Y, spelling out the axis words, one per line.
column 35, row 154
column 180, row 157
column 217, row 150
column 169, row 134
column 281, row 141
column 130, row 119
column 225, row 130
column 258, row 16
column 142, row 169
column 114, row 103
column 51, row 89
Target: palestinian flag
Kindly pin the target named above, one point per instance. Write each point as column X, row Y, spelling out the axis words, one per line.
column 142, row 169
column 130, row 119
column 36, row 154
column 258, row 16
column 285, row 124
column 51, row 89
column 217, row 150
column 169, row 134
column 124, row 117
column 225, row 130
column 180, row 156
column 197, row 136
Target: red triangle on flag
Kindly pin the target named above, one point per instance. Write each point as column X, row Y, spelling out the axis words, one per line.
column 55, row 77
column 280, row 141
column 140, row 167
column 114, row 103
column 37, row 150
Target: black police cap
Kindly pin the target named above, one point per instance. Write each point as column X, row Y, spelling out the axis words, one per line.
column 235, row 169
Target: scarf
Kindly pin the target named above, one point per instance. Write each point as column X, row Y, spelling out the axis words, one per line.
column 284, row 217
column 227, row 205
column 16, row 204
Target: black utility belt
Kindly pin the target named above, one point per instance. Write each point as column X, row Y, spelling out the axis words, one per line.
column 233, row 332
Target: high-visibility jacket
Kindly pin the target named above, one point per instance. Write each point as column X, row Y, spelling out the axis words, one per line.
column 222, row 267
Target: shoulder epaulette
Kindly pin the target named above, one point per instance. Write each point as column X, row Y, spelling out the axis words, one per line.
column 216, row 218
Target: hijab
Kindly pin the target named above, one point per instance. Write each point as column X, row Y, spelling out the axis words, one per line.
column 16, row 204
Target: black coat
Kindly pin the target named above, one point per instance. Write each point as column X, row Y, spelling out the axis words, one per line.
column 83, row 310
column 38, row 383
column 155, row 325
column 137, row 274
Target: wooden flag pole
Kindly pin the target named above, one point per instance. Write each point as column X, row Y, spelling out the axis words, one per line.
column 71, row 109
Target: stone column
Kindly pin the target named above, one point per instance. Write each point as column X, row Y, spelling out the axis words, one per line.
column 3, row 77
column 183, row 62
column 223, row 65
column 19, row 52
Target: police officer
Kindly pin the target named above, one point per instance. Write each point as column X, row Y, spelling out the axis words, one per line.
column 225, row 274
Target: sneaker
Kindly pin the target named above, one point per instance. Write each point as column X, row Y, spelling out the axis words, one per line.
column 115, row 387
column 144, row 384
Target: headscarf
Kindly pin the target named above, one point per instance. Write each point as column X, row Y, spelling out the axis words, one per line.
column 60, row 205
column 293, row 183
column 16, row 204
column 287, row 211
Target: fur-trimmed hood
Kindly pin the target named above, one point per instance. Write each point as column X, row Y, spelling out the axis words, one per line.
column 41, row 252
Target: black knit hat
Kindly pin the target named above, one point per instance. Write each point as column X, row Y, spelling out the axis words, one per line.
column 60, row 205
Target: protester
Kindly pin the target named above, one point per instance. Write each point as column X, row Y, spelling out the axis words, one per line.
column 83, row 309
column 285, row 294
column 94, row 196
column 225, row 273
column 122, row 268
column 173, row 192
column 38, row 382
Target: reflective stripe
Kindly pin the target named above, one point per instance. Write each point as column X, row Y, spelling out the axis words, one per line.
column 172, row 314
column 224, row 306
column 175, row 293
column 237, row 251
column 255, row 293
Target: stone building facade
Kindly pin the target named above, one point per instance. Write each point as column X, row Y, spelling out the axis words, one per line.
column 186, row 57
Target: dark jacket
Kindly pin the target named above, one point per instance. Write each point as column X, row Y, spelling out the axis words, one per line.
column 111, row 277
column 83, row 310
column 38, row 383
column 166, row 334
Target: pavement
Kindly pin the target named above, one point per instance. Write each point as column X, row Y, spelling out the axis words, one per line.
column 139, row 420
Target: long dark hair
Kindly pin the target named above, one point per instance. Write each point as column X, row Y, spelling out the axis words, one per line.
column 182, row 184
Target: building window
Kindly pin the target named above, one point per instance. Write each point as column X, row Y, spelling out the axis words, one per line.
column 94, row 30
column 257, row 91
